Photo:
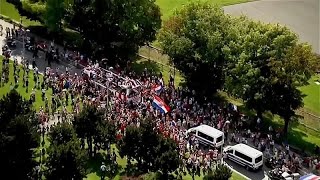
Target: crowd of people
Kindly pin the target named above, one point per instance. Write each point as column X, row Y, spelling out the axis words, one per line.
column 113, row 88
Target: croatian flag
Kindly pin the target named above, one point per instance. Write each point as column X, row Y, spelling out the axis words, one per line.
column 310, row 177
column 157, row 89
column 159, row 104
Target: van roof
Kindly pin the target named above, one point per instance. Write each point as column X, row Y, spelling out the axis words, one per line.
column 247, row 150
column 211, row 131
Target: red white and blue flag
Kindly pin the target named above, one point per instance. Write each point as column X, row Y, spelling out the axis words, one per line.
column 159, row 104
column 157, row 89
column 310, row 177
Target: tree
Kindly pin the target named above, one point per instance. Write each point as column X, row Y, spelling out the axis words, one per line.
column 222, row 172
column 128, row 145
column 266, row 65
column 139, row 143
column 167, row 160
column 61, row 134
column 292, row 72
column 117, row 28
column 18, row 136
column 151, row 151
column 194, row 38
column 105, row 135
column 66, row 160
column 55, row 10
column 86, row 124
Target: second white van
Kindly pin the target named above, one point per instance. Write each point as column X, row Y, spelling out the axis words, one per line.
column 245, row 155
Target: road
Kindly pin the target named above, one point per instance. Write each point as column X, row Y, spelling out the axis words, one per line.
column 258, row 175
column 18, row 53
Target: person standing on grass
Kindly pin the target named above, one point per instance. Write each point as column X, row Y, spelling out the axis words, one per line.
column 27, row 84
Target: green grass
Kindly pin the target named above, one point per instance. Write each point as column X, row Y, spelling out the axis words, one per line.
column 166, row 70
column 312, row 100
column 22, row 90
column 168, row 7
column 10, row 11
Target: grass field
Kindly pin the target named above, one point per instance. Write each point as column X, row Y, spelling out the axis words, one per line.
column 312, row 100
column 22, row 90
column 10, row 11
column 168, row 7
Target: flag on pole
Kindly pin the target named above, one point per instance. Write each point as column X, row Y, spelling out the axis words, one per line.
column 159, row 104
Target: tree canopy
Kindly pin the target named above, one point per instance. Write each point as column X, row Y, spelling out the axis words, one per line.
column 18, row 136
column 193, row 38
column 152, row 151
column 54, row 13
column 115, row 29
column 66, row 159
column 265, row 66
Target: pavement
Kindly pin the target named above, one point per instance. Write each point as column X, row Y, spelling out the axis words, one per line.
column 301, row 16
column 18, row 53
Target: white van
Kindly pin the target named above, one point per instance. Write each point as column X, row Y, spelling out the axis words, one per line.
column 208, row 135
column 245, row 155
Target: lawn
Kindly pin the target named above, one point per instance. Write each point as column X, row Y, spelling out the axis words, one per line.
column 10, row 11
column 168, row 7
column 22, row 90
column 312, row 100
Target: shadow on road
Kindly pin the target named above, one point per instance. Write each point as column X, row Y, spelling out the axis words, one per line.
column 258, row 175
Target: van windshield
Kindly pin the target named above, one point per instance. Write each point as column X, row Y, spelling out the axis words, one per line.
column 258, row 159
column 219, row 139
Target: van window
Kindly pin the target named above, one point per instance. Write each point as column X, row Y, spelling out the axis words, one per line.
column 209, row 138
column 219, row 139
column 242, row 156
column 230, row 151
column 258, row 159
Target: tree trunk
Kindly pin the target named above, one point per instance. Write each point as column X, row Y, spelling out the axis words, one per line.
column 286, row 126
column 259, row 114
column 90, row 146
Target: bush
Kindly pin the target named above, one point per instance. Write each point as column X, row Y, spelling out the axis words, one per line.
column 222, row 172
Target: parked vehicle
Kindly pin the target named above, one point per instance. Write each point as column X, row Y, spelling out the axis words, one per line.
column 245, row 155
column 208, row 135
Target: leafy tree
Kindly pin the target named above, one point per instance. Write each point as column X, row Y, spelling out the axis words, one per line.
column 105, row 135
column 55, row 10
column 86, row 124
column 266, row 65
column 128, row 145
column 18, row 136
column 151, row 151
column 61, row 134
column 194, row 38
column 168, row 159
column 116, row 27
column 139, row 143
column 222, row 172
column 66, row 160
column 293, row 71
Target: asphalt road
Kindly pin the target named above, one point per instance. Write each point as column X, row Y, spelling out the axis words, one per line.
column 18, row 53
column 254, row 175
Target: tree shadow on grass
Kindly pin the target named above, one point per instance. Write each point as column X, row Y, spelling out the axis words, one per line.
column 94, row 165
column 297, row 133
column 140, row 65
